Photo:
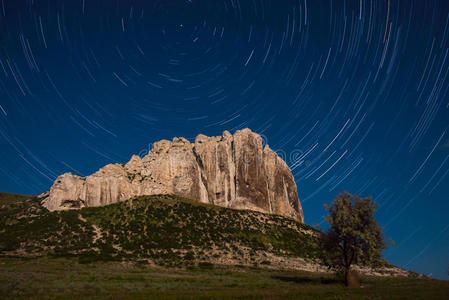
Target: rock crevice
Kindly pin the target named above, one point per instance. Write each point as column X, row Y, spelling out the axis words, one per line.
column 228, row 170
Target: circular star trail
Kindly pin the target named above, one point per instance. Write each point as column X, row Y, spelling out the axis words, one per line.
column 353, row 95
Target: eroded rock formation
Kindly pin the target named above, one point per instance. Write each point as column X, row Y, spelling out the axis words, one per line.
column 229, row 170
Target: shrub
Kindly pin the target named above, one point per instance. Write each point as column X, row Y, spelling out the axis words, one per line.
column 205, row 265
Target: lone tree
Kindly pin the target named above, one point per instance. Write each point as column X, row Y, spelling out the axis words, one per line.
column 354, row 237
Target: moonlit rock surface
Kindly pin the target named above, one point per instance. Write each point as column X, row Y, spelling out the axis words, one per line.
column 229, row 170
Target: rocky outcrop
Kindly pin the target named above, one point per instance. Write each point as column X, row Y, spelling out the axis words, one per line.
column 229, row 170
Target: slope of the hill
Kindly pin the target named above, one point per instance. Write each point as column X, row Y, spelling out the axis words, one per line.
column 161, row 229
column 7, row 198
column 165, row 230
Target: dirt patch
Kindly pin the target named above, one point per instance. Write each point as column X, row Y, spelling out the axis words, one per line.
column 98, row 233
column 80, row 217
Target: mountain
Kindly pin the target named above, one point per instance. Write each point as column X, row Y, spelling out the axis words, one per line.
column 232, row 171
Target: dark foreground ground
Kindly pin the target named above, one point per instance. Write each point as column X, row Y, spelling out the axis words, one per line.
column 62, row 278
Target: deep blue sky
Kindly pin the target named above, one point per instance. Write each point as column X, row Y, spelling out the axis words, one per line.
column 353, row 94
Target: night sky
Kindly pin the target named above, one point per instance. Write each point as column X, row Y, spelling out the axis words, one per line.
column 352, row 94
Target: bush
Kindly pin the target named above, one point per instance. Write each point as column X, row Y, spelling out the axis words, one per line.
column 87, row 259
column 189, row 256
column 205, row 265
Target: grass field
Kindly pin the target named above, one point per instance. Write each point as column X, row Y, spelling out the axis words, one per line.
column 43, row 278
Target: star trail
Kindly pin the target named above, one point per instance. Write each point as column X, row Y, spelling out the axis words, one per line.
column 353, row 95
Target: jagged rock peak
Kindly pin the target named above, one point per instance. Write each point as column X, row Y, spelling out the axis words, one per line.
column 228, row 170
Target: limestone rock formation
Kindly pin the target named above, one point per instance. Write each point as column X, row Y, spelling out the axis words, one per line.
column 229, row 170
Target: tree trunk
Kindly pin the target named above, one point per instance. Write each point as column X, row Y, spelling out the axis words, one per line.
column 352, row 279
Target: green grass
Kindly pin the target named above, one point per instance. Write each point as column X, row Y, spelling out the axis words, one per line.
column 65, row 278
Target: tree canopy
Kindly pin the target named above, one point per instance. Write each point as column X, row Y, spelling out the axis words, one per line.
column 354, row 237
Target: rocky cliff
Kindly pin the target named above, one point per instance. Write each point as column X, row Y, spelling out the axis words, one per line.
column 229, row 170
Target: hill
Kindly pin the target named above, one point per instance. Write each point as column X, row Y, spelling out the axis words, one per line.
column 8, row 198
column 164, row 230
column 161, row 229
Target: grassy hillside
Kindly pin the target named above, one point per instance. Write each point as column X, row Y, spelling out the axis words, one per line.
column 168, row 247
column 164, row 230
column 8, row 198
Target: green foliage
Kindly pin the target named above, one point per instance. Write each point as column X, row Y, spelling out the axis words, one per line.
column 354, row 237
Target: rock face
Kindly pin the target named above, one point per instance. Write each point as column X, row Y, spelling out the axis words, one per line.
column 229, row 170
